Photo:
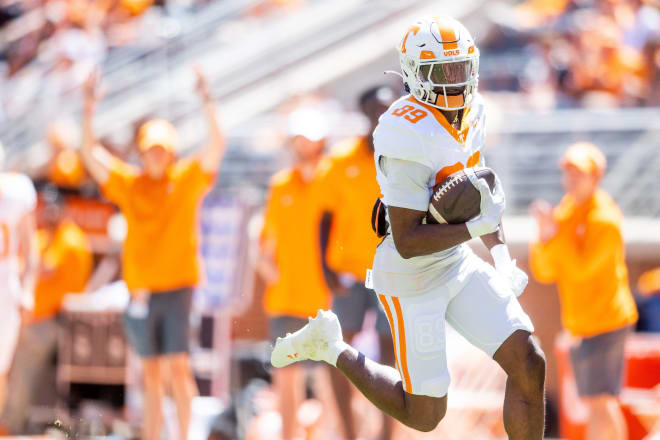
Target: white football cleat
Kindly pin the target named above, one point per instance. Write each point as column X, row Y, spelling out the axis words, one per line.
column 319, row 340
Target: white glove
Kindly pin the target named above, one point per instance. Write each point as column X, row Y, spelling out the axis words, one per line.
column 505, row 266
column 492, row 206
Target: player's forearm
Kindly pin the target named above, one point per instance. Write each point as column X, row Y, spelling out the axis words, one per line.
column 429, row 239
column 494, row 238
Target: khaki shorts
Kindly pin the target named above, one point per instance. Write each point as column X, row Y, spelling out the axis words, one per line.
column 598, row 363
column 166, row 327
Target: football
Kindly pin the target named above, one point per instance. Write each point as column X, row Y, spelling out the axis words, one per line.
column 456, row 199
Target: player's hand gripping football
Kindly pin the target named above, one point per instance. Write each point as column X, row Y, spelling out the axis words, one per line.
column 492, row 207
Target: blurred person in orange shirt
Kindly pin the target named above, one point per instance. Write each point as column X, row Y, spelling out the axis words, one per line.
column 65, row 169
column 580, row 247
column 66, row 265
column 348, row 182
column 18, row 262
column 160, row 261
column 290, row 260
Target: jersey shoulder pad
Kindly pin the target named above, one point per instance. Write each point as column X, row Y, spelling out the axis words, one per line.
column 397, row 142
column 401, row 138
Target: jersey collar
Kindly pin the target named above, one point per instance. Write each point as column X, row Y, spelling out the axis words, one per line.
column 459, row 135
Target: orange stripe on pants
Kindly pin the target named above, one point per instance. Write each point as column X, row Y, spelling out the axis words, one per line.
column 388, row 312
column 402, row 344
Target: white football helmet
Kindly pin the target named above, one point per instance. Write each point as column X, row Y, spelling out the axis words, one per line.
column 440, row 62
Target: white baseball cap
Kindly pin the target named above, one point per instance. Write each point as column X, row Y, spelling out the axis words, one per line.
column 308, row 122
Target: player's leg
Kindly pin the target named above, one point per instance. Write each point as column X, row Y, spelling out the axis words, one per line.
column 524, row 405
column 419, row 399
column 386, row 356
column 488, row 315
column 383, row 386
column 350, row 308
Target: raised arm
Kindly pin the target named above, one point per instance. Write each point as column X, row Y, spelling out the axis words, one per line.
column 212, row 154
column 97, row 159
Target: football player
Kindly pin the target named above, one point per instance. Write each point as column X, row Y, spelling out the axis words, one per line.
column 424, row 274
column 18, row 261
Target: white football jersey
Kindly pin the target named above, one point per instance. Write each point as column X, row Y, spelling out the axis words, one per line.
column 17, row 198
column 413, row 131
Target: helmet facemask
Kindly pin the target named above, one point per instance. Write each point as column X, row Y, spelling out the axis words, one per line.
column 448, row 85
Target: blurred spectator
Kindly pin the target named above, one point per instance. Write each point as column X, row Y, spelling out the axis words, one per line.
column 348, row 181
column 582, row 52
column 648, row 287
column 66, row 266
column 160, row 261
column 249, row 401
column 267, row 7
column 18, row 261
column 65, row 168
column 580, row 248
column 62, row 165
column 290, row 261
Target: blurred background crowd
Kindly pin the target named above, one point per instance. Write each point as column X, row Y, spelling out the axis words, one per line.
column 552, row 72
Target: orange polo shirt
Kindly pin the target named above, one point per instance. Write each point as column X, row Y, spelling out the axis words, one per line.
column 67, row 258
column 161, row 247
column 349, row 186
column 291, row 221
column 587, row 261
column 67, row 170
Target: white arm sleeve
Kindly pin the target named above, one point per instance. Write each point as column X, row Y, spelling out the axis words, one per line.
column 405, row 183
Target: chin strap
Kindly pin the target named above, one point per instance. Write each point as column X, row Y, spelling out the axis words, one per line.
column 394, row 73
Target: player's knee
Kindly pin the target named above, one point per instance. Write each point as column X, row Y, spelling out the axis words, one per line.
column 426, row 418
column 430, row 421
column 533, row 367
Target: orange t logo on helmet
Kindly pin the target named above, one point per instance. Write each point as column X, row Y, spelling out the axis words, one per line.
column 440, row 63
